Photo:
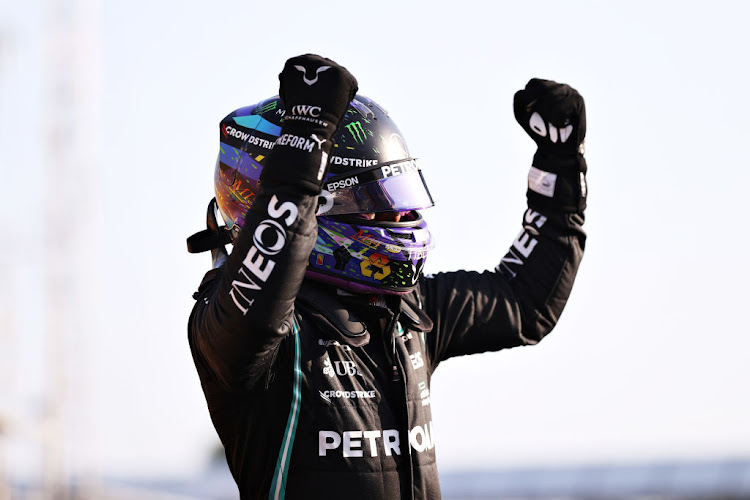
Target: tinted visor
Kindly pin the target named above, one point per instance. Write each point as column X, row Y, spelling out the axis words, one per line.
column 389, row 187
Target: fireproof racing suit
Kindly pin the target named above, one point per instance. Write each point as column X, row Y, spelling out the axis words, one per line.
column 319, row 393
column 314, row 391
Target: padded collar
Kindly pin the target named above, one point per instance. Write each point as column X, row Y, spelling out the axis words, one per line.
column 346, row 315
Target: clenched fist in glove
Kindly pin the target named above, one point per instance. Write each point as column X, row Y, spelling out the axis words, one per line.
column 554, row 115
column 316, row 93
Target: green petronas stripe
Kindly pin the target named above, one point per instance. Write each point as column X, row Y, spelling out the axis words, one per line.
column 278, row 485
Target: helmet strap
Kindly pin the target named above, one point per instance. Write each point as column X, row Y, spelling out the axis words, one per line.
column 213, row 238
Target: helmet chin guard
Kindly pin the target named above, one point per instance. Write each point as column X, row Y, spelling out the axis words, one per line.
column 370, row 171
column 369, row 256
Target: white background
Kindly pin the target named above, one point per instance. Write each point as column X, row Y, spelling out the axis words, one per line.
column 649, row 360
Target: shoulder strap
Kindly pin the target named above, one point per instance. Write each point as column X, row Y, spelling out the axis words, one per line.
column 412, row 315
column 207, row 280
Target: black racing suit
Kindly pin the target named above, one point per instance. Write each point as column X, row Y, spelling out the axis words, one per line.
column 316, row 393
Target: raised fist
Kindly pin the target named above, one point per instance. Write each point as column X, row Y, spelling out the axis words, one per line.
column 553, row 114
column 316, row 91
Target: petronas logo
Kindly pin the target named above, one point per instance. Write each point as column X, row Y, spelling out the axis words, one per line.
column 358, row 133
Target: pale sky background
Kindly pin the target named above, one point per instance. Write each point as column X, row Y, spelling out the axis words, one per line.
column 650, row 358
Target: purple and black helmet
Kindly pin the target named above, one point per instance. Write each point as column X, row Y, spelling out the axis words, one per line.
column 370, row 171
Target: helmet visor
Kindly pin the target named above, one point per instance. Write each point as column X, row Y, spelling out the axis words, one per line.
column 389, row 187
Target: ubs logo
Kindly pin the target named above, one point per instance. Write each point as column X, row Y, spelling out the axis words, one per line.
column 340, row 368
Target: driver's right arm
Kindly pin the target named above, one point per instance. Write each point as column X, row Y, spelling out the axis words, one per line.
column 242, row 316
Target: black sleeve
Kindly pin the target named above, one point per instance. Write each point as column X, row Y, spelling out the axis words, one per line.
column 244, row 313
column 516, row 304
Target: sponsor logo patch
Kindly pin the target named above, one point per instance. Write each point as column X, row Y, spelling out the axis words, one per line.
column 311, row 81
column 354, row 444
column 353, row 162
column 269, row 239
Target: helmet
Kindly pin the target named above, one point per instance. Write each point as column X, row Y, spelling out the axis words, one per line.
column 370, row 171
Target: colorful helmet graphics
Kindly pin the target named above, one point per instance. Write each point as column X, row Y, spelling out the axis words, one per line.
column 370, row 171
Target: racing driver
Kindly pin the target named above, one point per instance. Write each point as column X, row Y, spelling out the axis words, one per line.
column 316, row 337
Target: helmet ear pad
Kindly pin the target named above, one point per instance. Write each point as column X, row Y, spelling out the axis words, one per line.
column 366, row 256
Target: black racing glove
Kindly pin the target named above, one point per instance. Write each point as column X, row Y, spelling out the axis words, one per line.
column 315, row 87
column 554, row 115
column 316, row 93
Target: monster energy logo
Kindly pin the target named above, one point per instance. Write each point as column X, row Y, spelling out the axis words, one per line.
column 266, row 108
column 355, row 128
